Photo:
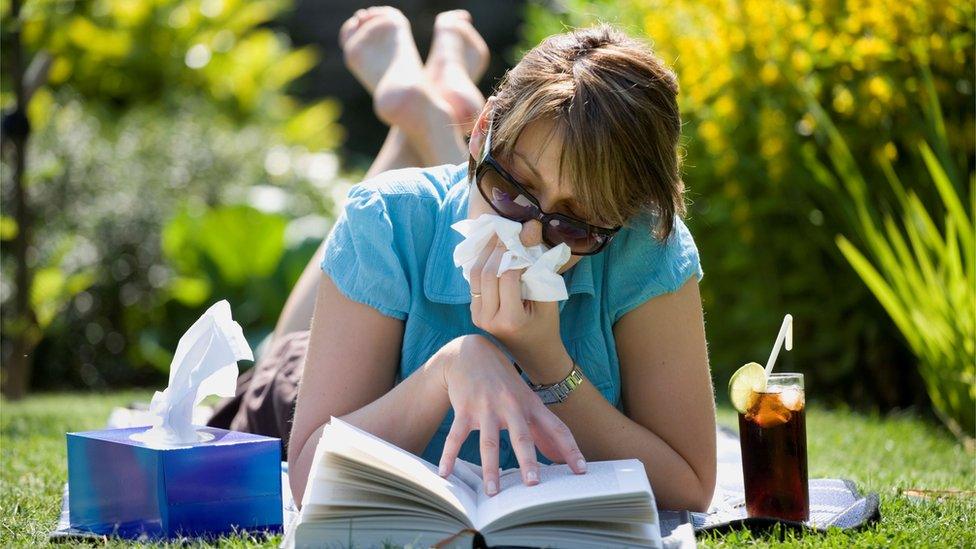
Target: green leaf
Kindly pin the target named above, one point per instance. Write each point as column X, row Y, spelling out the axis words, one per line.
column 949, row 196
column 8, row 228
column 176, row 242
column 242, row 242
column 51, row 291
column 881, row 290
column 190, row 291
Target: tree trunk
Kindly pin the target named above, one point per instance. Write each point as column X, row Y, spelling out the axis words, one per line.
column 24, row 327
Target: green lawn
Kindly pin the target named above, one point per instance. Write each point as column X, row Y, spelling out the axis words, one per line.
column 882, row 454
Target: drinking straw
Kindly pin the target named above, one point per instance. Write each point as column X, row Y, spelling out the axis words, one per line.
column 785, row 334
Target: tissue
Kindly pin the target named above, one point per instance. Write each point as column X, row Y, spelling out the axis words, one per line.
column 205, row 364
column 539, row 282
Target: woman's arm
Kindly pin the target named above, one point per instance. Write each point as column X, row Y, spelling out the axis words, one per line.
column 667, row 394
column 353, row 356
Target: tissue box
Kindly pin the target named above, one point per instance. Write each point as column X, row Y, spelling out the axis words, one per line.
column 118, row 486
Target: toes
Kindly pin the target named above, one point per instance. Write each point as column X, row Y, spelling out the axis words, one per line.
column 369, row 21
column 350, row 26
column 446, row 16
column 385, row 11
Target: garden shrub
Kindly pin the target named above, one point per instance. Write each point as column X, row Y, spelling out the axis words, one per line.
column 166, row 210
column 156, row 113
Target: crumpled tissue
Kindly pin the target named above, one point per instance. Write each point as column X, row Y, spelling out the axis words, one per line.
column 540, row 281
column 205, row 363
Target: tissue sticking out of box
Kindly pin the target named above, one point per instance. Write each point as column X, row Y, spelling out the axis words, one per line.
column 540, row 281
column 205, row 364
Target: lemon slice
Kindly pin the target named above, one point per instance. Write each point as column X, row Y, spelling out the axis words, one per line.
column 745, row 380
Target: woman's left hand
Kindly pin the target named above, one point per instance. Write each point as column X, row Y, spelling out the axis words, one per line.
column 526, row 328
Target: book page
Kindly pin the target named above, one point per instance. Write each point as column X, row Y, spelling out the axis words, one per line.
column 469, row 474
column 353, row 443
column 558, row 483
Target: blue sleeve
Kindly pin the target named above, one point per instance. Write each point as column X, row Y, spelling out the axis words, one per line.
column 363, row 257
column 642, row 267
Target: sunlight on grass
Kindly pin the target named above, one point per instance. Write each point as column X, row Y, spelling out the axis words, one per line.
column 881, row 454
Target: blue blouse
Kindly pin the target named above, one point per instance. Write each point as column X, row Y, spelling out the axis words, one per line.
column 392, row 248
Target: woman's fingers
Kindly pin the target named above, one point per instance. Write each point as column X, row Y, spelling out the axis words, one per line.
column 452, row 445
column 489, row 454
column 489, row 283
column 562, row 439
column 524, row 446
column 475, row 275
column 510, row 304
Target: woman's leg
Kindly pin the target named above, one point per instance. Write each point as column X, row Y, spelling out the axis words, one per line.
column 375, row 44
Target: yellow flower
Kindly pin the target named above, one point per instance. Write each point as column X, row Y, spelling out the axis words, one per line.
column 870, row 46
column 709, row 131
column 801, row 61
column 880, row 88
column 737, row 39
column 60, row 70
column 843, row 100
column 801, row 31
column 820, row 40
column 769, row 73
column 725, row 106
column 771, row 147
column 890, row 151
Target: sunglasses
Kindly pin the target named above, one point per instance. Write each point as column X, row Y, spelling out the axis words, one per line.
column 511, row 200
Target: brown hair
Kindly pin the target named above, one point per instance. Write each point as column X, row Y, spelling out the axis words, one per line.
column 616, row 105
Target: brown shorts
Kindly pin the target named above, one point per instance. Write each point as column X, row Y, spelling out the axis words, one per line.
column 264, row 403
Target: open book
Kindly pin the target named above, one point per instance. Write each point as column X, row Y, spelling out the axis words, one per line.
column 365, row 492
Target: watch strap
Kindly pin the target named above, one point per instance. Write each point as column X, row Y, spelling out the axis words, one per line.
column 559, row 391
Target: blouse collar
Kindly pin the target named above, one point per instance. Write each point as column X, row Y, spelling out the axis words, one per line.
column 443, row 282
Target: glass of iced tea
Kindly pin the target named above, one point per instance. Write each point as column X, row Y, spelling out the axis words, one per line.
column 773, row 437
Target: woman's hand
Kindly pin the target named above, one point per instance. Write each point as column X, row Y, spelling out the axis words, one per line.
column 525, row 327
column 487, row 394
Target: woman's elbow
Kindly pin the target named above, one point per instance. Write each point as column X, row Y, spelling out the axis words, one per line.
column 702, row 499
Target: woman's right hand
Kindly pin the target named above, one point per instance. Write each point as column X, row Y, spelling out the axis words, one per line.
column 488, row 394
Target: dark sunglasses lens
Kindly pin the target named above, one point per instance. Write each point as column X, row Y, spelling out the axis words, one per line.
column 579, row 239
column 505, row 197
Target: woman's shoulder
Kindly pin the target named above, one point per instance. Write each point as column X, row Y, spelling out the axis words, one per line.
column 641, row 266
column 375, row 251
column 412, row 185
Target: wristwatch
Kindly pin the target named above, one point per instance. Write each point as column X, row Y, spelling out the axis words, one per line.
column 559, row 391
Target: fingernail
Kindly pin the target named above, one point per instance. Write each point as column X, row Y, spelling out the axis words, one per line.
column 532, row 476
column 442, row 470
column 492, row 488
column 581, row 465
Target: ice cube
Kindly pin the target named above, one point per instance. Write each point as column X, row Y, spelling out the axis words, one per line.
column 792, row 398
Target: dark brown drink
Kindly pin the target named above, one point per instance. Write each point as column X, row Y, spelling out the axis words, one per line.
column 772, row 434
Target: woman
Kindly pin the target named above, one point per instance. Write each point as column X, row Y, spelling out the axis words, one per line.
column 584, row 135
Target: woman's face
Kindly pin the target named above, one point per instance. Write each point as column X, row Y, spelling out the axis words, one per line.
column 535, row 164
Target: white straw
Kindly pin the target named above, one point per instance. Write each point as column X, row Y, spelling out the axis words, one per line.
column 785, row 334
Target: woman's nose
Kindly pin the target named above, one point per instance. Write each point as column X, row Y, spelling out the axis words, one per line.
column 531, row 233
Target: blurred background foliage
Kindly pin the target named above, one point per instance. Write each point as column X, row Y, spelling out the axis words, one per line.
column 168, row 168
column 171, row 166
column 753, row 74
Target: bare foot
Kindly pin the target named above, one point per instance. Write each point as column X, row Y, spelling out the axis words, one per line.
column 379, row 50
column 458, row 58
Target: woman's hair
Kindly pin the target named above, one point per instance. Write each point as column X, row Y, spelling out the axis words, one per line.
column 615, row 104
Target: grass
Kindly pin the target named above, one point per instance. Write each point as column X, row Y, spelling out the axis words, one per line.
column 881, row 454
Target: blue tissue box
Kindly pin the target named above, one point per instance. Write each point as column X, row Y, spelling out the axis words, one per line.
column 118, row 486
